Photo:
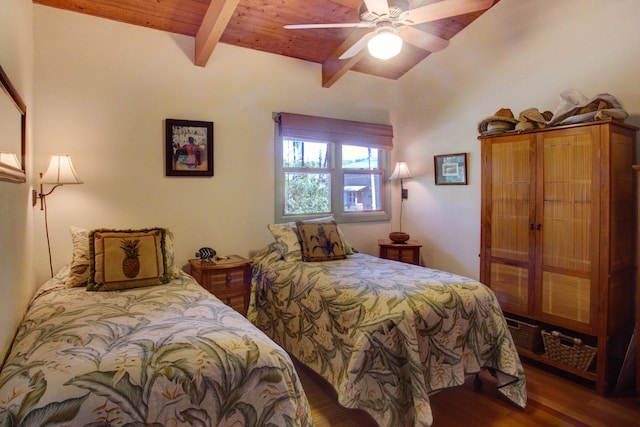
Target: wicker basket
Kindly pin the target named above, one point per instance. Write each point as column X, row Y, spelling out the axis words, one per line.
column 568, row 350
column 525, row 335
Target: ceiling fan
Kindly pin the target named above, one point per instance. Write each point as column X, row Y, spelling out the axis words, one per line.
column 392, row 22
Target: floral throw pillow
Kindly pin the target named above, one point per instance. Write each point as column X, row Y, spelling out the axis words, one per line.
column 79, row 268
column 288, row 240
column 320, row 241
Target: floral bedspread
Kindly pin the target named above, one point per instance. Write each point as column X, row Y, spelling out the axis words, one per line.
column 385, row 334
column 168, row 355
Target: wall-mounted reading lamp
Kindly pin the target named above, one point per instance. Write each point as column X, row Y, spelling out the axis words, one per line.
column 400, row 172
column 59, row 172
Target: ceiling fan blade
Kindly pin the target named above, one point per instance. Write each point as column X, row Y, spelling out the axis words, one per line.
column 379, row 7
column 423, row 40
column 445, row 9
column 339, row 25
column 357, row 46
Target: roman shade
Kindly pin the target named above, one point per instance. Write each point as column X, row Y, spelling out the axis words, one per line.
column 312, row 128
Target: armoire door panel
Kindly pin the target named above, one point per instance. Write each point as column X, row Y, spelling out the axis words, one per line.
column 567, row 240
column 510, row 200
column 511, row 286
column 566, row 296
column 566, row 205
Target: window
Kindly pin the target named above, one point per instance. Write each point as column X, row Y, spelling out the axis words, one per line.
column 331, row 167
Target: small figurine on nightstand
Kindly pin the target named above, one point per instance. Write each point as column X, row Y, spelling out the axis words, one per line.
column 206, row 255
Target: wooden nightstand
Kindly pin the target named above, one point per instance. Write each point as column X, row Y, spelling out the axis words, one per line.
column 408, row 252
column 229, row 280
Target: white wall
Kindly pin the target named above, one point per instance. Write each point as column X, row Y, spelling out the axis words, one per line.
column 16, row 265
column 102, row 91
column 520, row 54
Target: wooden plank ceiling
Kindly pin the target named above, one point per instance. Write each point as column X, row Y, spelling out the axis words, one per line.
column 258, row 24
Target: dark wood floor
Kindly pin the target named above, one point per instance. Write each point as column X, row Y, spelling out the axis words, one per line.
column 552, row 401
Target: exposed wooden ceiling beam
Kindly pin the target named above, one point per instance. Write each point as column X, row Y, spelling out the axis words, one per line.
column 213, row 25
column 259, row 25
column 333, row 68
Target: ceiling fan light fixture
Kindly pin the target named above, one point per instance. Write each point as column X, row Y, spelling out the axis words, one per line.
column 385, row 44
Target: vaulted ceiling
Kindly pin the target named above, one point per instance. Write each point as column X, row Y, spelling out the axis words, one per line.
column 258, row 24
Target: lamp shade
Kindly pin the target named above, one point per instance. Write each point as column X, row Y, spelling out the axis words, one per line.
column 385, row 44
column 10, row 159
column 60, row 171
column 401, row 171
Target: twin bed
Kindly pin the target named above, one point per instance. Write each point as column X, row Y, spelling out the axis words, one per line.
column 164, row 355
column 169, row 355
column 384, row 334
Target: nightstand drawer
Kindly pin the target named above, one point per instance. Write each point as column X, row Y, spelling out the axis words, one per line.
column 225, row 282
column 404, row 255
column 408, row 252
column 229, row 281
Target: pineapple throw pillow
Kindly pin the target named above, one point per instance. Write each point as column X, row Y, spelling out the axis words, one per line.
column 124, row 259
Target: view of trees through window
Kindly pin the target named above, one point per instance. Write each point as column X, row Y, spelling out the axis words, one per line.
column 315, row 173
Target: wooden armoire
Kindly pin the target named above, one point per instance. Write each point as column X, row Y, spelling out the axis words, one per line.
column 558, row 233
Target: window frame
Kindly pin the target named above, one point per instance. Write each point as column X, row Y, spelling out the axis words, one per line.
column 334, row 149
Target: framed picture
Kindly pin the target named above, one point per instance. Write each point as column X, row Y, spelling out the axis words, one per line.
column 450, row 169
column 189, row 148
